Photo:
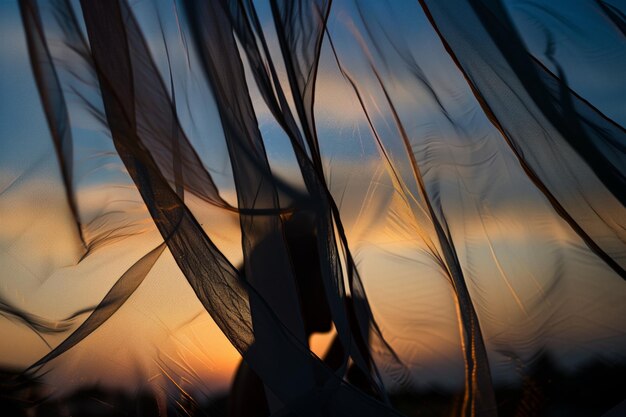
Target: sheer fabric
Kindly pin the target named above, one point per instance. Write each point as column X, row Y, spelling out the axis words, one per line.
column 460, row 160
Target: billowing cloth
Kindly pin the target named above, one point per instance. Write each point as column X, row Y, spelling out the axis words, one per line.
column 443, row 180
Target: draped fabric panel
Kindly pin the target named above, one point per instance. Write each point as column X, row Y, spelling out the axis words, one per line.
column 358, row 199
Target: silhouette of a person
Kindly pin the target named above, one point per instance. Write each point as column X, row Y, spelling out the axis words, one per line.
column 248, row 397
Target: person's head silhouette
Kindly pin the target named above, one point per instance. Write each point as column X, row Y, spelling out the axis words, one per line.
column 301, row 237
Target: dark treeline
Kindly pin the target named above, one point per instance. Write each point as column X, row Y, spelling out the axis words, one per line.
column 546, row 390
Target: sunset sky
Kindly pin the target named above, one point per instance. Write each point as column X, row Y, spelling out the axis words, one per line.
column 534, row 282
